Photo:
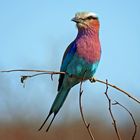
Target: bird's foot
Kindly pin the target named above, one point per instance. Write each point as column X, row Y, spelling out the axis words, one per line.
column 92, row 80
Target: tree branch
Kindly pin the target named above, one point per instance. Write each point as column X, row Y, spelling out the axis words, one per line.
column 29, row 70
column 117, row 88
column 87, row 125
column 41, row 72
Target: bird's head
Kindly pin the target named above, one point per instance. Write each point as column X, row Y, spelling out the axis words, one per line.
column 86, row 20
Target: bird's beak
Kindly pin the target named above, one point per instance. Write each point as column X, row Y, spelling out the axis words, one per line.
column 76, row 20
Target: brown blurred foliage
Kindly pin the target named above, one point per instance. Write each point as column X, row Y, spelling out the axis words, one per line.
column 66, row 131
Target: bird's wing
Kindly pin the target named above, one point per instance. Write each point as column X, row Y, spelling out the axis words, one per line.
column 69, row 53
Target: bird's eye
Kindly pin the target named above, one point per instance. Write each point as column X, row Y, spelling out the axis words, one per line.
column 91, row 17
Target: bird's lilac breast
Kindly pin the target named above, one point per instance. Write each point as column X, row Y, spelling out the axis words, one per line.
column 89, row 48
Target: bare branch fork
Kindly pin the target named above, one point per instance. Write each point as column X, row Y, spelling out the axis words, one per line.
column 132, row 117
column 112, row 116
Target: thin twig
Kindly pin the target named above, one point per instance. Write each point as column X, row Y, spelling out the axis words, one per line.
column 119, row 89
column 111, row 114
column 53, row 72
column 87, row 125
column 131, row 115
column 29, row 70
column 24, row 77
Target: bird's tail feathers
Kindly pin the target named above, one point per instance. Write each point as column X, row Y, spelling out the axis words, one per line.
column 57, row 104
column 46, row 121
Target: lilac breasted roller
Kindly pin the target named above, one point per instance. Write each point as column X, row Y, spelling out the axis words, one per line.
column 80, row 59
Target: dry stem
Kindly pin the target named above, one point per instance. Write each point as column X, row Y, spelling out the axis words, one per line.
column 87, row 125
column 110, row 111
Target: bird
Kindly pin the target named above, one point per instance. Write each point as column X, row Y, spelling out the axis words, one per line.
column 80, row 59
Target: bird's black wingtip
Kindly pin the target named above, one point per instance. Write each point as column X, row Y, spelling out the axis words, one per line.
column 45, row 121
column 50, row 123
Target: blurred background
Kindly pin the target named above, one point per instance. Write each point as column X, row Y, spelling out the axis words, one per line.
column 34, row 35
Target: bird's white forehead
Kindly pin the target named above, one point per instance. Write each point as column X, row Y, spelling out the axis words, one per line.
column 85, row 14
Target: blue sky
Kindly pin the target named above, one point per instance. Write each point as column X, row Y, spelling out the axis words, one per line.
column 34, row 34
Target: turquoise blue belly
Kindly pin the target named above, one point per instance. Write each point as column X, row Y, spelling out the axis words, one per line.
column 78, row 66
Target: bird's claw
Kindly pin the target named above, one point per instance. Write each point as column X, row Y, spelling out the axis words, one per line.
column 92, row 80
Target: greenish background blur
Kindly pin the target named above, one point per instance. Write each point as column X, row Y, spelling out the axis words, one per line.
column 34, row 35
